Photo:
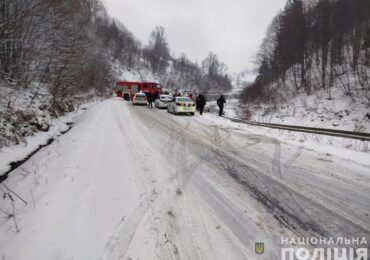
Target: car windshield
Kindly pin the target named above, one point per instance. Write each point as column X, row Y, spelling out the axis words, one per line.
column 184, row 99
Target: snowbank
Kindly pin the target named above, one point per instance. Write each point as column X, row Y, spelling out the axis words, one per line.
column 19, row 152
column 347, row 149
column 28, row 121
column 339, row 112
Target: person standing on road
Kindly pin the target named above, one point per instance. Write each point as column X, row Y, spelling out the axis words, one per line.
column 201, row 103
column 150, row 99
column 220, row 102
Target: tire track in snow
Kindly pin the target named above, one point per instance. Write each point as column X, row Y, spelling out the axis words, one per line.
column 183, row 231
column 119, row 243
column 182, row 136
column 193, row 224
column 179, row 154
column 276, row 161
column 293, row 204
column 286, row 166
column 165, row 216
column 274, row 193
column 259, row 185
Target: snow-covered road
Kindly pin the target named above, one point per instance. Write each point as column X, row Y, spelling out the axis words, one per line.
column 136, row 183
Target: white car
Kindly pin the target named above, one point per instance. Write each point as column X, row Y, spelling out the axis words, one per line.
column 162, row 101
column 181, row 105
column 139, row 99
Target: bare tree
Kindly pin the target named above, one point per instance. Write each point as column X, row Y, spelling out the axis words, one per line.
column 157, row 52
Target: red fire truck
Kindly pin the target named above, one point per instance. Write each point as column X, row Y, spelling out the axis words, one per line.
column 122, row 87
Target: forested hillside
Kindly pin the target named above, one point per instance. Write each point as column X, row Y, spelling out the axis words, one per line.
column 55, row 55
column 314, row 66
column 314, row 45
column 53, row 43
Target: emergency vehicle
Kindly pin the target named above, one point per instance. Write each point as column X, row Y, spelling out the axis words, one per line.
column 154, row 88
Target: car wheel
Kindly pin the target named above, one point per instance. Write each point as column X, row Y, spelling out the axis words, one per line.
column 192, row 113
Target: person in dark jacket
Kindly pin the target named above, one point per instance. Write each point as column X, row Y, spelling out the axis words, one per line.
column 201, row 103
column 149, row 96
column 220, row 102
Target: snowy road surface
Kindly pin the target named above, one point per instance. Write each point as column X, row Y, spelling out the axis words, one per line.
column 136, row 183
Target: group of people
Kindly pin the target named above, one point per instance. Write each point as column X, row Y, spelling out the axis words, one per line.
column 201, row 103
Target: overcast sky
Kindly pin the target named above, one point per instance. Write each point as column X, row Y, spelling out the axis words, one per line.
column 233, row 29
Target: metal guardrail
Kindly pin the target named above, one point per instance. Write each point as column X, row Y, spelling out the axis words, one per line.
column 215, row 96
column 313, row 130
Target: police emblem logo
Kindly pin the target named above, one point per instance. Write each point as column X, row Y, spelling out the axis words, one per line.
column 260, row 248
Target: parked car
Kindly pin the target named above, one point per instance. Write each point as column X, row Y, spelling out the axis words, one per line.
column 139, row 99
column 181, row 105
column 162, row 101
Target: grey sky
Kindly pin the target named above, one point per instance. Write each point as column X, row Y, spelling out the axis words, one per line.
column 233, row 29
